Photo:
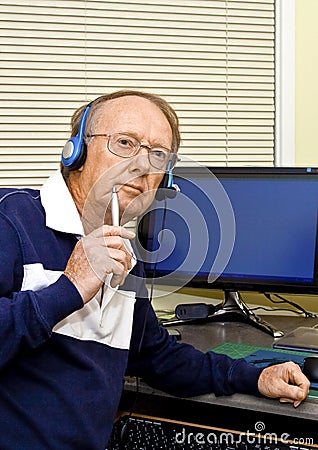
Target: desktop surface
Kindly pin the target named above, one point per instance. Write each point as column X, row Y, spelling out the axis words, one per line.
column 207, row 335
column 239, row 411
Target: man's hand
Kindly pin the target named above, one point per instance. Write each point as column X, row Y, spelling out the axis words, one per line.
column 284, row 381
column 95, row 256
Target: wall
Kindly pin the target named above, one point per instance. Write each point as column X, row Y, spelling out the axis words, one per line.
column 306, row 80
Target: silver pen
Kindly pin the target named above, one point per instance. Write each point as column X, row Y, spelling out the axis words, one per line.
column 115, row 219
column 115, row 207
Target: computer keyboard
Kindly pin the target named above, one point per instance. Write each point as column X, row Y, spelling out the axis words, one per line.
column 145, row 433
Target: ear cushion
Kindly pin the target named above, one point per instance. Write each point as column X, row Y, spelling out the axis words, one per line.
column 78, row 155
column 71, row 152
column 164, row 193
column 74, row 151
column 167, row 189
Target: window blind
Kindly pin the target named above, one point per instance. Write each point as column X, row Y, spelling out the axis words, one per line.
column 213, row 60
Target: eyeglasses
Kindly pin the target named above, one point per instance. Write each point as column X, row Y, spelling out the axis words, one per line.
column 127, row 146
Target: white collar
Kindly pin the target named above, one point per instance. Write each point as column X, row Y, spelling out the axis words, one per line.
column 60, row 209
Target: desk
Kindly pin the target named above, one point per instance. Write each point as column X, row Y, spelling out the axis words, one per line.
column 237, row 412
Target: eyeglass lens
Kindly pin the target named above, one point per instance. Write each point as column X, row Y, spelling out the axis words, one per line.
column 127, row 146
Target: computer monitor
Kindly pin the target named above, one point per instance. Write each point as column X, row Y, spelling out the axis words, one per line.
column 235, row 229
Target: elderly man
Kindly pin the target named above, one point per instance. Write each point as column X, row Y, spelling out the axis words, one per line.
column 73, row 322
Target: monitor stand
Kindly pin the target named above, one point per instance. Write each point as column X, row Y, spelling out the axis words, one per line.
column 233, row 308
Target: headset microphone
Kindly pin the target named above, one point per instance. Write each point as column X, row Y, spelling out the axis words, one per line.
column 167, row 188
column 74, row 151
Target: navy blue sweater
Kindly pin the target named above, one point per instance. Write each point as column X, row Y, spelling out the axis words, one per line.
column 60, row 390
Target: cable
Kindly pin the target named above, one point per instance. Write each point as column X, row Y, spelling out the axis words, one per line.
column 274, row 309
column 153, row 277
column 150, row 299
column 162, row 312
column 289, row 302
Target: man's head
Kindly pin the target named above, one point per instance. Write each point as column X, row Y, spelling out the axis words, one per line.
column 115, row 121
column 93, row 117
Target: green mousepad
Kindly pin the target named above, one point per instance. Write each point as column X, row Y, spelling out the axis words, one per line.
column 265, row 356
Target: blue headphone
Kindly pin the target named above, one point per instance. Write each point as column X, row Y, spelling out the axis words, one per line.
column 74, row 151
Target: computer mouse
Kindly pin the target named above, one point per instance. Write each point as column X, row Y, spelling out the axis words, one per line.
column 310, row 368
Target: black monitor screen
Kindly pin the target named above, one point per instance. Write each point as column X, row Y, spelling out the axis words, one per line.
column 235, row 228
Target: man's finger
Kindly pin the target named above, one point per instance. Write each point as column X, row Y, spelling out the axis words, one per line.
column 286, row 400
column 297, row 378
column 107, row 230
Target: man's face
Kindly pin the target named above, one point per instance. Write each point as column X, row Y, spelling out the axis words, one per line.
column 135, row 179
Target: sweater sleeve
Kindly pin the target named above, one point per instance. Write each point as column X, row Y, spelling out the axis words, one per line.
column 180, row 369
column 27, row 317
